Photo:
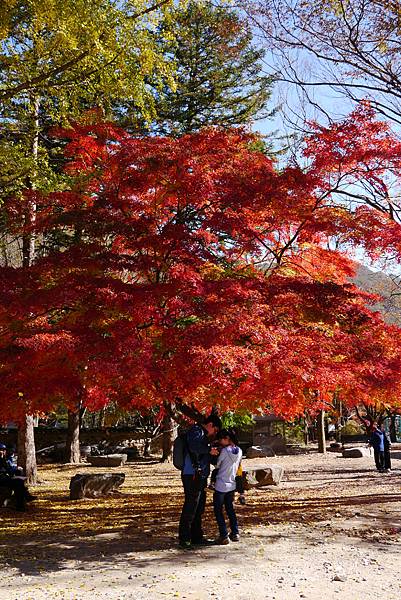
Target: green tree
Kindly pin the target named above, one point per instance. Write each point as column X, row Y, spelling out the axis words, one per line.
column 218, row 78
column 59, row 58
column 49, row 45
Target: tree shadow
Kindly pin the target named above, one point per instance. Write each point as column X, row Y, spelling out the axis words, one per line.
column 58, row 533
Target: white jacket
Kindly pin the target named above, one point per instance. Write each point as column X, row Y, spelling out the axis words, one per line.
column 227, row 464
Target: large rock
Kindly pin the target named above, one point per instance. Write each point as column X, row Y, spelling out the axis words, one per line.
column 262, row 475
column 276, row 442
column 356, row 452
column 93, row 485
column 109, row 460
column 335, row 447
column 260, row 452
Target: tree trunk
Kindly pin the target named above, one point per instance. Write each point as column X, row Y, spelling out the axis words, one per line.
column 169, row 432
column 339, row 421
column 73, row 453
column 306, row 432
column 27, row 450
column 26, row 436
column 146, row 447
column 321, row 438
column 29, row 239
column 393, row 429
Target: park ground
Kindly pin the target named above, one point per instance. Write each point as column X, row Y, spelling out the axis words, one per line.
column 331, row 530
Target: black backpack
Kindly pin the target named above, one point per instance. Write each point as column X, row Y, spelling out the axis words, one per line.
column 180, row 449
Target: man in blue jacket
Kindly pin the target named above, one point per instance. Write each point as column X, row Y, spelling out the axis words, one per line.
column 376, row 440
column 195, row 472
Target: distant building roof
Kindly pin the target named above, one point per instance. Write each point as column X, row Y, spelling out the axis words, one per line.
column 268, row 419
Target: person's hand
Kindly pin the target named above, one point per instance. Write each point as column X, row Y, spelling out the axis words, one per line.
column 214, row 451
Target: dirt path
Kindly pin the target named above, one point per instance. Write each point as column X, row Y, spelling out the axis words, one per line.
column 332, row 530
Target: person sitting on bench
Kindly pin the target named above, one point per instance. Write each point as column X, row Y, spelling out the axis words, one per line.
column 12, row 461
column 16, row 484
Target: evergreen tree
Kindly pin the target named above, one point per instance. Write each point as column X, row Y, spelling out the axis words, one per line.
column 217, row 72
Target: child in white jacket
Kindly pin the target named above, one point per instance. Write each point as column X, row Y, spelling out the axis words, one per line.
column 227, row 465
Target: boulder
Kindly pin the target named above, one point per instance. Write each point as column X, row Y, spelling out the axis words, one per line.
column 359, row 452
column 109, row 460
column 276, row 442
column 335, row 447
column 262, row 475
column 260, row 452
column 93, row 485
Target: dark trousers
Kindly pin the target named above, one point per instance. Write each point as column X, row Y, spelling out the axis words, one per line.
column 194, row 506
column 379, row 459
column 226, row 500
column 387, row 458
column 19, row 489
column 239, row 483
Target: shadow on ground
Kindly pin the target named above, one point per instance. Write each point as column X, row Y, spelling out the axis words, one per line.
column 57, row 533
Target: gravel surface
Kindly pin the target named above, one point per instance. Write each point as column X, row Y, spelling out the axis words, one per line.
column 331, row 530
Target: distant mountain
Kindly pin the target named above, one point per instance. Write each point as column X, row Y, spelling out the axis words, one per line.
column 389, row 287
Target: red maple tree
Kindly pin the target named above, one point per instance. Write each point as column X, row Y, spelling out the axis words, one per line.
column 195, row 269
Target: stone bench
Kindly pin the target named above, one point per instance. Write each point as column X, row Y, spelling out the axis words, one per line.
column 94, row 485
column 360, row 452
column 107, row 460
column 262, row 475
column 259, row 452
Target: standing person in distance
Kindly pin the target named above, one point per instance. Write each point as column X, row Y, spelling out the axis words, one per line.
column 376, row 441
column 194, row 475
column 227, row 467
column 387, row 447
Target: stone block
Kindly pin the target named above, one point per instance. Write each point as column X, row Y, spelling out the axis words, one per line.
column 109, row 460
column 261, row 476
column 94, row 485
column 260, row 452
column 356, row 452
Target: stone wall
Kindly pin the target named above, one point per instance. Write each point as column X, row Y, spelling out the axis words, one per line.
column 46, row 437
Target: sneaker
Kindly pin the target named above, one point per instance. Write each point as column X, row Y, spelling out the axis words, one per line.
column 234, row 537
column 186, row 545
column 222, row 541
column 203, row 542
